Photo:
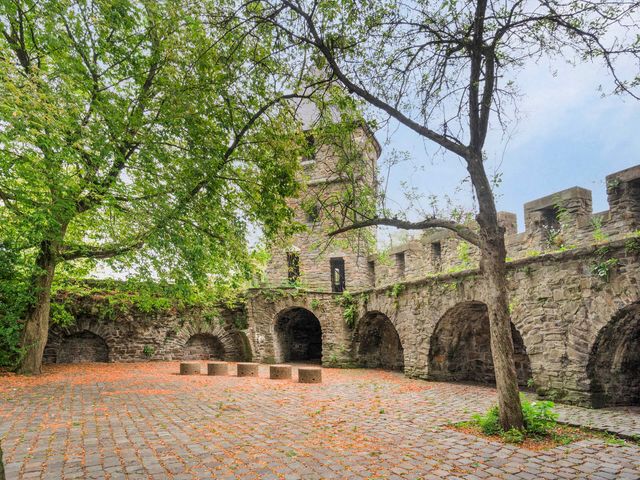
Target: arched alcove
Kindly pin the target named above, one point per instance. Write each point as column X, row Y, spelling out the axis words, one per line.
column 614, row 362
column 298, row 336
column 377, row 343
column 461, row 347
column 82, row 347
column 203, row 346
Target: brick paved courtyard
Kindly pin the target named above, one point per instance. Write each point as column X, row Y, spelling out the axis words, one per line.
column 144, row 421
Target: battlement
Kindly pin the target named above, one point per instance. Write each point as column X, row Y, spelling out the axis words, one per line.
column 560, row 221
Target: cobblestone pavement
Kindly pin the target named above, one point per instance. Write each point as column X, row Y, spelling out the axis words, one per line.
column 143, row 421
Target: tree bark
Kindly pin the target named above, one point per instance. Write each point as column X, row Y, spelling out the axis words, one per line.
column 493, row 258
column 2, row 477
column 36, row 326
column 494, row 271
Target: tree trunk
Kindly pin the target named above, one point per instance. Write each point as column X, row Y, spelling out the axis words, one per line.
column 2, row 477
column 495, row 275
column 494, row 270
column 36, row 327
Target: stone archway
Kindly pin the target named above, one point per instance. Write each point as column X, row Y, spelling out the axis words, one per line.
column 377, row 343
column 614, row 361
column 461, row 347
column 82, row 347
column 203, row 346
column 298, row 336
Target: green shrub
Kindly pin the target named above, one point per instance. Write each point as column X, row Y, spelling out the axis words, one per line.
column 489, row 423
column 513, row 435
column 148, row 351
column 539, row 420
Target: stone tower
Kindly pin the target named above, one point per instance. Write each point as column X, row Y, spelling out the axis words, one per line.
column 309, row 258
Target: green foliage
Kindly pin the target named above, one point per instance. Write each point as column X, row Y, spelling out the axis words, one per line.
column 539, row 420
column 489, row 423
column 315, row 304
column 598, row 234
column 396, row 290
column 61, row 316
column 130, row 141
column 464, row 255
column 513, row 435
column 148, row 351
column 349, row 308
column 603, row 266
column 111, row 298
column 632, row 244
column 539, row 417
column 15, row 299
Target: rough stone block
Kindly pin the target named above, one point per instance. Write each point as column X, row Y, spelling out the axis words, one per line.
column 189, row 368
column 247, row 369
column 279, row 372
column 217, row 368
column 310, row 375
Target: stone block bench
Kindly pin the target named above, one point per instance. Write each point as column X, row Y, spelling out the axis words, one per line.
column 189, row 368
column 279, row 372
column 217, row 368
column 310, row 375
column 247, row 369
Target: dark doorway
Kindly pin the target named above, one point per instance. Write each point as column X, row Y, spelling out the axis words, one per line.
column 461, row 347
column 203, row 346
column 377, row 343
column 614, row 363
column 298, row 336
column 82, row 347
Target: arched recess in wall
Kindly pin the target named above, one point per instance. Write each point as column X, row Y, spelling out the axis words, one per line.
column 461, row 347
column 298, row 336
column 614, row 361
column 82, row 347
column 376, row 343
column 203, row 346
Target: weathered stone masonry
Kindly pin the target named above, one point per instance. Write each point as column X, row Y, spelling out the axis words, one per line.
column 137, row 336
column 573, row 278
column 575, row 309
column 572, row 329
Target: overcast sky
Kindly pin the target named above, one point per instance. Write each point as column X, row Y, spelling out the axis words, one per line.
column 567, row 135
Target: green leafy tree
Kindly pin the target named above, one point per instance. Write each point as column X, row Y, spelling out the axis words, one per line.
column 144, row 133
column 448, row 71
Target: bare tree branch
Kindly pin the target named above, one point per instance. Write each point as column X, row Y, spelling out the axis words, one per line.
column 462, row 231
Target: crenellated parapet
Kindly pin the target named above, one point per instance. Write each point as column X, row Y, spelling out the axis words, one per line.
column 558, row 222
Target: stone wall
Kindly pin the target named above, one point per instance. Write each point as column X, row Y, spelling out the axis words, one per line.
column 567, row 324
column 267, row 310
column 139, row 336
column 560, row 221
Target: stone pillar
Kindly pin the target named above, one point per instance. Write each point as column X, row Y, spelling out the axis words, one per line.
column 623, row 195
column 189, row 368
column 554, row 220
column 509, row 221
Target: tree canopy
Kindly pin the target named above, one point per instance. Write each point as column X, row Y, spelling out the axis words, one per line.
column 145, row 133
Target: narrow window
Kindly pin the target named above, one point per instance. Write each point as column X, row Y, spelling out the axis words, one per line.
column 310, row 154
column 436, row 254
column 338, row 280
column 371, row 267
column 400, row 264
column 293, row 267
column 550, row 219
